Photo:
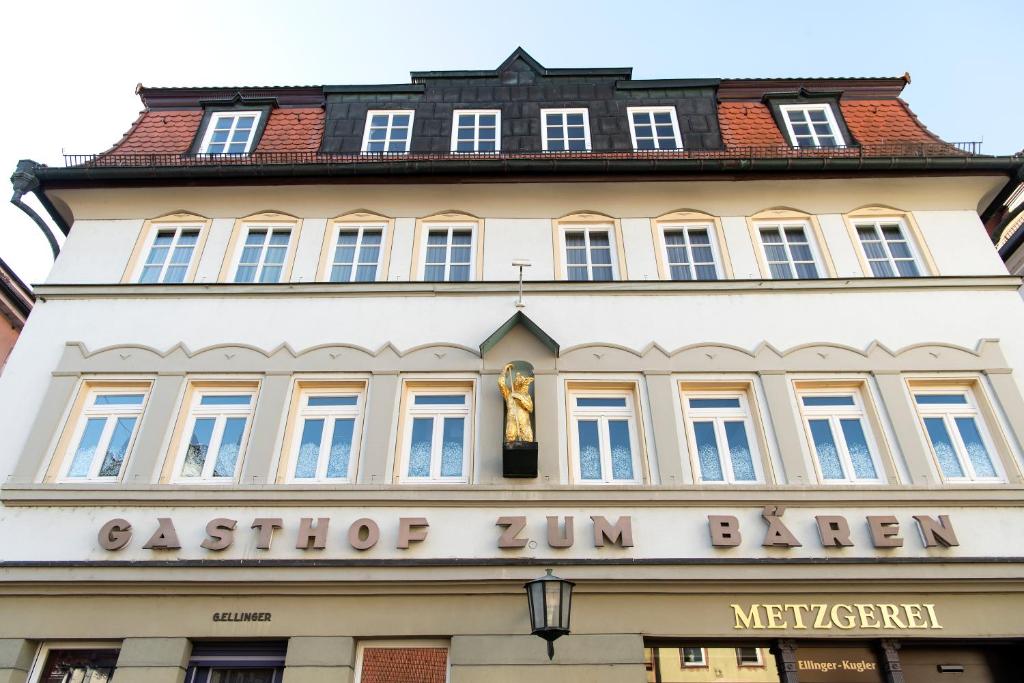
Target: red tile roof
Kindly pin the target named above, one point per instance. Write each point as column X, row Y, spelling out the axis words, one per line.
column 404, row 664
column 293, row 130
column 748, row 124
column 157, row 132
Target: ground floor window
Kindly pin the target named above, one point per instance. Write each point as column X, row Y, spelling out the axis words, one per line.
column 237, row 662
column 701, row 663
column 69, row 663
column 402, row 662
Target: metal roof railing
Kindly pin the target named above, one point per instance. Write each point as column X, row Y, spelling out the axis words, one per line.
column 115, row 159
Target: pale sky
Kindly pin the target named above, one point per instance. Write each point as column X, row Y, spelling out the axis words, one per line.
column 70, row 67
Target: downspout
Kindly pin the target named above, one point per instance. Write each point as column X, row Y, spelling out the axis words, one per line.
column 24, row 180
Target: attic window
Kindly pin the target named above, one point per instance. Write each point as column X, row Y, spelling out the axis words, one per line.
column 654, row 128
column 811, row 125
column 387, row 131
column 230, row 133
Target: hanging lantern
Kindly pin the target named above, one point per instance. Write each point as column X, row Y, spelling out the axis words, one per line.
column 550, row 600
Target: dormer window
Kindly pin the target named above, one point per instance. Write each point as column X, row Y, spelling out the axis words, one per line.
column 230, row 132
column 811, row 125
column 388, row 131
column 565, row 130
column 654, row 128
column 476, row 130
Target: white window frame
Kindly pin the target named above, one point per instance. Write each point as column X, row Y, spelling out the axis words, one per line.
column 719, row 416
column 427, row 228
column 564, row 112
column 586, row 229
column 360, row 229
column 834, row 414
column 693, row 665
column 178, row 229
column 35, row 671
column 602, row 415
column 830, row 116
column 438, row 413
column 476, row 113
column 654, row 110
column 391, row 114
column 211, row 126
column 329, row 414
column 948, row 412
column 812, row 243
column 686, row 228
column 876, row 224
column 757, row 650
column 111, row 413
column 271, row 229
column 364, row 645
column 220, row 413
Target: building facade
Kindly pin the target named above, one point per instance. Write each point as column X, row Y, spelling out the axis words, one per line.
column 255, row 430
column 15, row 304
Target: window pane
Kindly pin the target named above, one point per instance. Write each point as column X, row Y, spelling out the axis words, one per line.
column 309, row 449
column 739, row 451
column 341, row 449
column 811, row 401
column 607, row 402
column 427, row 400
column 419, row 446
column 119, row 400
column 452, row 446
column 82, row 461
column 943, row 447
column 225, row 400
column 857, row 445
column 622, row 451
column 79, row 666
column 320, row 401
column 976, row 451
column 198, row 445
column 940, row 399
column 230, row 446
column 590, row 450
column 714, row 403
column 118, row 447
column 707, row 451
column 825, row 445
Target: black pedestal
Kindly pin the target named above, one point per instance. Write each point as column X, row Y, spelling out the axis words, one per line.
column 519, row 460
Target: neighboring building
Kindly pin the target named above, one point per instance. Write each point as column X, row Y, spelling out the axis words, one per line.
column 1005, row 218
column 15, row 304
column 254, row 428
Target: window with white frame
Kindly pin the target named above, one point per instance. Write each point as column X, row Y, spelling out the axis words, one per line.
column 839, row 435
column 811, row 125
column 357, row 251
column 888, row 250
column 401, row 661
column 103, row 434
column 264, row 253
column 692, row 656
column 388, row 131
column 957, row 434
column 74, row 662
column 476, row 130
column 719, row 430
column 605, row 440
column 690, row 251
column 749, row 656
column 788, row 250
column 589, row 253
column 449, row 253
column 326, row 435
column 565, row 130
column 230, row 132
column 654, row 128
column 170, row 254
column 215, row 433
column 437, row 425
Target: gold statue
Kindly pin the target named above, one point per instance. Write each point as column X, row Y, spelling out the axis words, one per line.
column 518, row 405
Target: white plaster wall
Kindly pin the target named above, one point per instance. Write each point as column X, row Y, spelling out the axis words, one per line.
column 638, row 246
column 840, row 246
column 401, row 249
column 507, row 239
column 109, row 245
column 741, row 249
column 959, row 243
column 307, row 251
column 213, row 253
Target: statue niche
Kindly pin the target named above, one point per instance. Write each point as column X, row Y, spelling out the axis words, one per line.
column 519, row 447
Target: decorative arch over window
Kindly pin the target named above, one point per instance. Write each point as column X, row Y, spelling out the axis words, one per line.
column 588, row 245
column 690, row 245
column 168, row 249
column 448, row 246
column 261, row 248
column 789, row 244
column 888, row 242
column 356, row 247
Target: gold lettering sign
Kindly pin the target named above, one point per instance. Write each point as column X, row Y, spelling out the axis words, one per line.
column 840, row 616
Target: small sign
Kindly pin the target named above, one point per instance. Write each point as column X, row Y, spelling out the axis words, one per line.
column 837, row 665
column 241, row 616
